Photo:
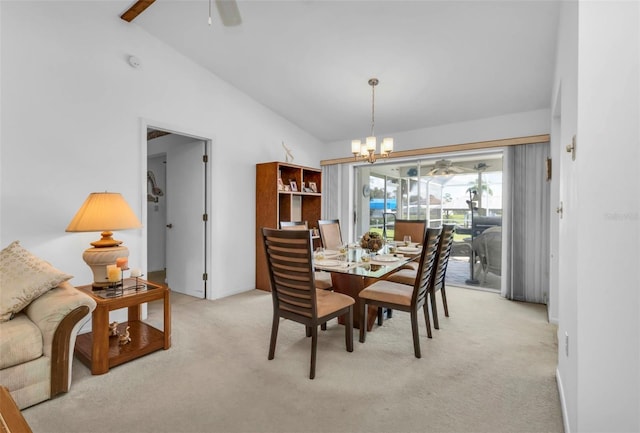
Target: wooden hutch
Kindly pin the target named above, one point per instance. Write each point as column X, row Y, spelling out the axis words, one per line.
column 274, row 203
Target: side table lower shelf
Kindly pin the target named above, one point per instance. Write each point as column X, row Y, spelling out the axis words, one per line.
column 145, row 339
column 99, row 351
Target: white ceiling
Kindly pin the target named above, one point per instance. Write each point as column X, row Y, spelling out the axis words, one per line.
column 438, row 62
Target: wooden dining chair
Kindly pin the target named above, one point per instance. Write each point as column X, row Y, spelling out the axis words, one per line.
column 397, row 296
column 330, row 234
column 408, row 276
column 323, row 279
column 413, row 228
column 289, row 260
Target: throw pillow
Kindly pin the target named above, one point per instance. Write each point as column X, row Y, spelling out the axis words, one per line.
column 23, row 278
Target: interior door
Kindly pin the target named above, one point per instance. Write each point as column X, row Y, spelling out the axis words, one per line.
column 186, row 227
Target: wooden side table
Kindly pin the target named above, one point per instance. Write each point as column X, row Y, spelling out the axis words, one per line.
column 100, row 352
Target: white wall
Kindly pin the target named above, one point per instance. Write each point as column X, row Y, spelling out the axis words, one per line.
column 608, row 136
column 72, row 111
column 598, row 78
column 563, row 188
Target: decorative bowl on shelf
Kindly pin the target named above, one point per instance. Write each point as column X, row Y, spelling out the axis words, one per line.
column 372, row 241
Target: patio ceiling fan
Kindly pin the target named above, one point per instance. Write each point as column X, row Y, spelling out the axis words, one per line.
column 446, row 167
column 228, row 10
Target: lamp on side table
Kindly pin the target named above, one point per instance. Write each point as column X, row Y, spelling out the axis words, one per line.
column 104, row 212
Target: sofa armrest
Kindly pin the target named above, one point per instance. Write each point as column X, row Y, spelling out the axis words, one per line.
column 48, row 311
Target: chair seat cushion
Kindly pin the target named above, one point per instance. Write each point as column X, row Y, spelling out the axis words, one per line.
column 411, row 265
column 328, row 302
column 403, row 276
column 389, row 292
column 21, row 341
column 323, row 280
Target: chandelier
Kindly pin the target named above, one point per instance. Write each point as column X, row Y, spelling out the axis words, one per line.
column 367, row 150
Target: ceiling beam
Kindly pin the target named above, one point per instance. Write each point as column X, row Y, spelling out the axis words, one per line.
column 135, row 10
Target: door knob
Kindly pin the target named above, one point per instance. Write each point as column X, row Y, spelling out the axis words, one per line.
column 169, row 226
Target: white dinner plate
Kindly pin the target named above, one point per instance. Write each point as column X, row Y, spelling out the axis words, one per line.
column 328, row 262
column 385, row 258
column 409, row 249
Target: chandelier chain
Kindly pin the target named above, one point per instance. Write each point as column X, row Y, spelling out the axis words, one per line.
column 373, row 107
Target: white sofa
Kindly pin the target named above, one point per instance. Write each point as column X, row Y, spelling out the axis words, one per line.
column 36, row 345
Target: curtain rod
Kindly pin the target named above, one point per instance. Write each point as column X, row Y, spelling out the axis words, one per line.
column 531, row 139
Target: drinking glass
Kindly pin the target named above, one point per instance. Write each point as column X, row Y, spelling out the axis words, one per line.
column 407, row 240
column 365, row 255
column 391, row 246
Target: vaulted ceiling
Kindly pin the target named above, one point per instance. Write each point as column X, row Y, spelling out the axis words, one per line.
column 438, row 62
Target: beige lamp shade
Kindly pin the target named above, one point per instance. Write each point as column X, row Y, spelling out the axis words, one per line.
column 104, row 212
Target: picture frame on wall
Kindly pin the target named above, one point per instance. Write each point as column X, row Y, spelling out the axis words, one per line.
column 313, row 187
column 293, row 185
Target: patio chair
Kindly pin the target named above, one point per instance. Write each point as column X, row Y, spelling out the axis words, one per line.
column 488, row 247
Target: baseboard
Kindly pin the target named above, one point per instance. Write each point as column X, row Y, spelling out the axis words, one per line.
column 563, row 403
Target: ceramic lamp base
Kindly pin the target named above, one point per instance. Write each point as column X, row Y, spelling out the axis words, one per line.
column 98, row 259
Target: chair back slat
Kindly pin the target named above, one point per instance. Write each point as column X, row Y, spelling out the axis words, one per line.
column 289, row 260
column 442, row 257
column 427, row 259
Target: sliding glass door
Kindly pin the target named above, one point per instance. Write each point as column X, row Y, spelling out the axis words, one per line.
column 464, row 189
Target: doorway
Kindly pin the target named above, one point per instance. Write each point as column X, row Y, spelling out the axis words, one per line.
column 177, row 216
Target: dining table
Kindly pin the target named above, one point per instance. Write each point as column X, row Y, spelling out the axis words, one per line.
column 355, row 268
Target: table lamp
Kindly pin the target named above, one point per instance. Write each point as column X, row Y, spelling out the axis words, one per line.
column 104, row 212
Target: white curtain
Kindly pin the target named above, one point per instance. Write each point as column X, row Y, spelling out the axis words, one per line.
column 337, row 203
column 331, row 189
column 526, row 223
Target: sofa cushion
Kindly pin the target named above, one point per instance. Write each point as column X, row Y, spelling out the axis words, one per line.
column 21, row 341
column 23, row 278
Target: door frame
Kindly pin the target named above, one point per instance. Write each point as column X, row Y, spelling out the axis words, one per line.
column 208, row 139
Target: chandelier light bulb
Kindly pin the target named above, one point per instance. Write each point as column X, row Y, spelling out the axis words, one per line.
column 371, row 143
column 387, row 145
column 363, row 150
column 355, row 146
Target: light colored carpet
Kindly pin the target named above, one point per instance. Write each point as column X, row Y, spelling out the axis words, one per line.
column 490, row 368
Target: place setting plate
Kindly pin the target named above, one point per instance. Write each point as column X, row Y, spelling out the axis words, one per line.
column 328, row 263
column 385, row 258
column 409, row 249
